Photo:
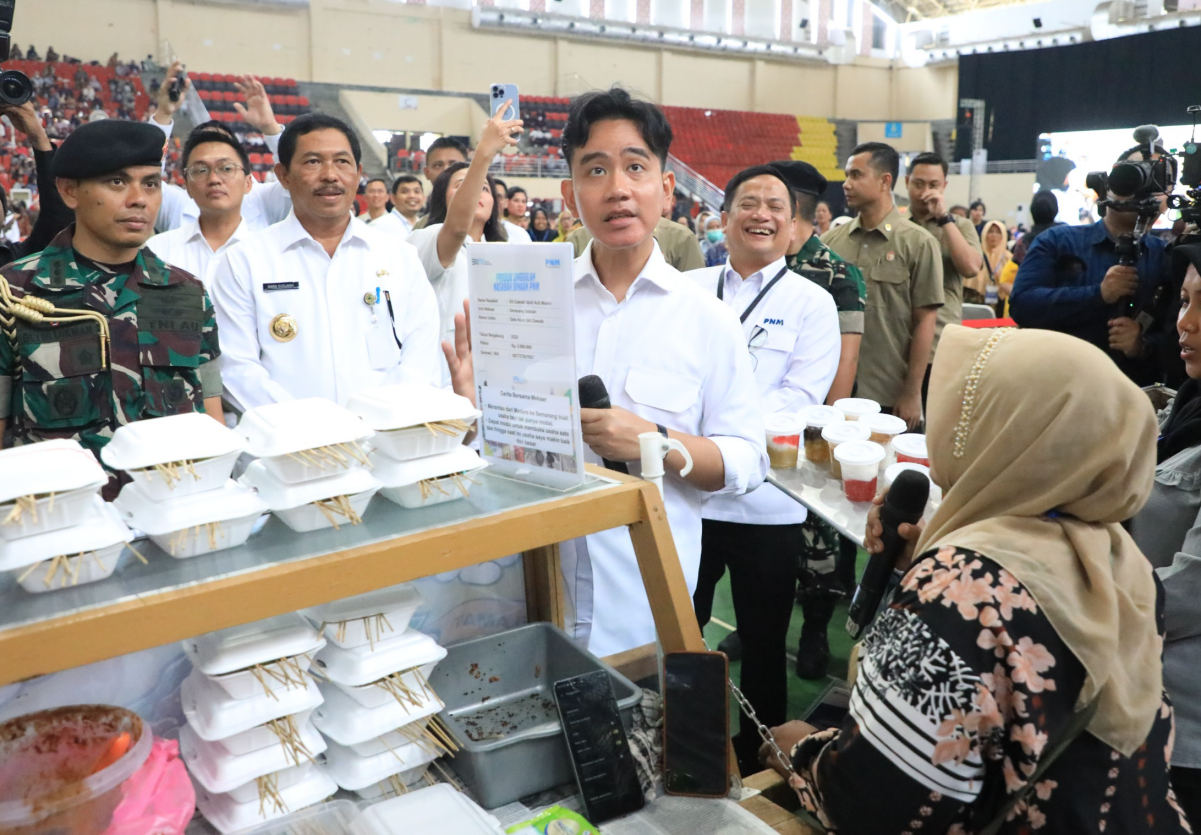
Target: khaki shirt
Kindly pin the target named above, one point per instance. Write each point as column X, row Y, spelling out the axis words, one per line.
column 679, row 246
column 951, row 312
column 901, row 265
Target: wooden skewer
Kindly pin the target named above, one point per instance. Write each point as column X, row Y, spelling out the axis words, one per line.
column 29, row 571
column 137, row 553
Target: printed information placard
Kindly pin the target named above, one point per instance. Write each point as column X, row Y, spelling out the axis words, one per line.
column 523, row 347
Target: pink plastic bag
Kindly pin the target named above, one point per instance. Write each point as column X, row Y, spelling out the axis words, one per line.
column 158, row 799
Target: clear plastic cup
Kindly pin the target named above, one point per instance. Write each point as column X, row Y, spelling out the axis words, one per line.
column 816, row 418
column 860, row 462
column 857, row 408
column 885, row 428
column 783, row 440
column 911, row 449
column 892, row 471
column 839, row 433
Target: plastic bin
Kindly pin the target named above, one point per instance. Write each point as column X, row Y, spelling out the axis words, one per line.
column 500, row 705
column 52, row 772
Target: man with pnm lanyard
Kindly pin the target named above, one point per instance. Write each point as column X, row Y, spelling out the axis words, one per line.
column 672, row 358
column 791, row 328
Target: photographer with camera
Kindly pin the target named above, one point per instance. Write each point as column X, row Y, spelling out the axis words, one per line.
column 1108, row 282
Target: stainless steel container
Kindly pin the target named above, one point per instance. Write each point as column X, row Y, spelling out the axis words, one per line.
column 500, row 704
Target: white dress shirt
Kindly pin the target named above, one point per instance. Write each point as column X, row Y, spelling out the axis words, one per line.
column 515, row 233
column 386, row 223
column 675, row 356
column 267, row 203
column 187, row 249
column 794, row 343
column 342, row 344
column 449, row 283
column 404, row 222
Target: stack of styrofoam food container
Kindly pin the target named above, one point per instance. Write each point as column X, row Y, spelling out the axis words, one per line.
column 312, row 469
column 55, row 530
column 249, row 742
column 417, row 451
column 181, row 494
column 379, row 711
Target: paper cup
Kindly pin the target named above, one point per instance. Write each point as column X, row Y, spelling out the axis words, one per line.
column 860, row 462
column 839, row 433
column 911, row 449
column 816, row 418
column 857, row 408
column 783, row 441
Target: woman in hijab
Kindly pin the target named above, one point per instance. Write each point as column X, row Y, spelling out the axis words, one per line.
column 1026, row 607
column 540, row 228
column 1043, row 209
column 1168, row 531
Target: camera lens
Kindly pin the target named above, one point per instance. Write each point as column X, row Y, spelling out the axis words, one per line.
column 15, row 87
column 1129, row 178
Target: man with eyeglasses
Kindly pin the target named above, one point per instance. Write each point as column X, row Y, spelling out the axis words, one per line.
column 792, row 333
column 216, row 170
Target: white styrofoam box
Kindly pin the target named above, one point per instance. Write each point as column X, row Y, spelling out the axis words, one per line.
column 214, row 715
column 364, row 664
column 297, row 469
column 348, row 723
column 219, row 771
column 387, row 788
column 440, row 808
column 244, row 684
column 60, row 468
column 374, row 694
column 228, row 815
column 260, row 736
column 402, row 479
column 401, row 736
column 356, row 621
column 279, row 430
column 281, row 780
column 353, row 772
column 415, row 442
column 73, row 571
column 207, row 445
column 97, row 536
column 259, row 642
column 191, row 525
column 403, row 405
column 294, row 503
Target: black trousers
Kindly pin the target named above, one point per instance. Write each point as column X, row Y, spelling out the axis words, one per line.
column 762, row 560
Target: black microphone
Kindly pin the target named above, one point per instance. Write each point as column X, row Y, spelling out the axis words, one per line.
column 903, row 503
column 594, row 395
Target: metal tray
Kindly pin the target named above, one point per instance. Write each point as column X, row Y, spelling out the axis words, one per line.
column 500, row 705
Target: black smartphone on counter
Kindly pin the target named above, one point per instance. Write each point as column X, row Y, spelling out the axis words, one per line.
column 696, row 724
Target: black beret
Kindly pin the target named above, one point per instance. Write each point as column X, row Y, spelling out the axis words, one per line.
column 108, row 145
column 801, row 176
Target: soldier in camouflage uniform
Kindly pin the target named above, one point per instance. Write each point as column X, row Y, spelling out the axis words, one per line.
column 129, row 336
column 827, row 570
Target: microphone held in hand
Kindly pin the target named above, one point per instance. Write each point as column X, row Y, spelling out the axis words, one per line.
column 903, row 504
column 594, row 395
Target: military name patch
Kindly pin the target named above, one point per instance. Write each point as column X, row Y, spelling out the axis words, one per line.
column 274, row 286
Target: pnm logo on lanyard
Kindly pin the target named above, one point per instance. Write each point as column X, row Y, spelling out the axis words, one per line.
column 773, row 322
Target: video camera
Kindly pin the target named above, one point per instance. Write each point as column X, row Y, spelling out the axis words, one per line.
column 15, row 86
column 1189, row 203
column 1138, row 186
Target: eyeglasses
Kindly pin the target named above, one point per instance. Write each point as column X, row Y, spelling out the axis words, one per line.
column 226, row 171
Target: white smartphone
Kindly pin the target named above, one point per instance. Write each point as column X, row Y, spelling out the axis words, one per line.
column 501, row 93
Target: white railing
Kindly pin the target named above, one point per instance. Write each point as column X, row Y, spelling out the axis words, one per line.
column 692, row 181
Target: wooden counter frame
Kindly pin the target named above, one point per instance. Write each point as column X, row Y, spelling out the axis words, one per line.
column 75, row 639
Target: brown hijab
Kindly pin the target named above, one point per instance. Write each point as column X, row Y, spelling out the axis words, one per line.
column 1027, row 423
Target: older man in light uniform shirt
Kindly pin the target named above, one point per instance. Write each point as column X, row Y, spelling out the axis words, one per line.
column 320, row 304
column 217, row 174
column 790, row 325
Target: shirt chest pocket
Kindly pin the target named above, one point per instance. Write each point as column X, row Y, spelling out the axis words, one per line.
column 63, row 382
column 888, row 288
column 170, row 324
column 660, row 394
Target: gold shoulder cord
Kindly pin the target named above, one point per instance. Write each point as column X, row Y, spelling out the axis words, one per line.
column 34, row 309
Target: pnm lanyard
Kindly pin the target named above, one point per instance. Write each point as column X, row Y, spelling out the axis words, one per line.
column 721, row 283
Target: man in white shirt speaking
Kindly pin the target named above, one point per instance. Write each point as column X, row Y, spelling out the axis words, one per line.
column 217, row 174
column 319, row 304
column 672, row 358
column 790, row 327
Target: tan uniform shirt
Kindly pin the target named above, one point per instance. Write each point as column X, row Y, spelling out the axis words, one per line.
column 951, row 312
column 901, row 265
column 679, row 246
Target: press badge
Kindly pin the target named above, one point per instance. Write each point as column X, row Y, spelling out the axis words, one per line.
column 382, row 351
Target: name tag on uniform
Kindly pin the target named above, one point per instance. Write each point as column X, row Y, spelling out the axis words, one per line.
column 273, row 286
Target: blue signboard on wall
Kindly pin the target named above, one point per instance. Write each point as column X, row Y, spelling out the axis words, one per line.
column 892, row 130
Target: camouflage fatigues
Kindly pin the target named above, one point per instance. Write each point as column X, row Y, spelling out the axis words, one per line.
column 822, row 265
column 164, row 338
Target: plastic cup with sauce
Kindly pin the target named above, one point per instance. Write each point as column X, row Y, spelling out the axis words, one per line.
column 857, row 408
column 841, row 432
column 816, row 419
column 911, row 449
column 885, row 428
column 860, row 462
column 783, row 440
